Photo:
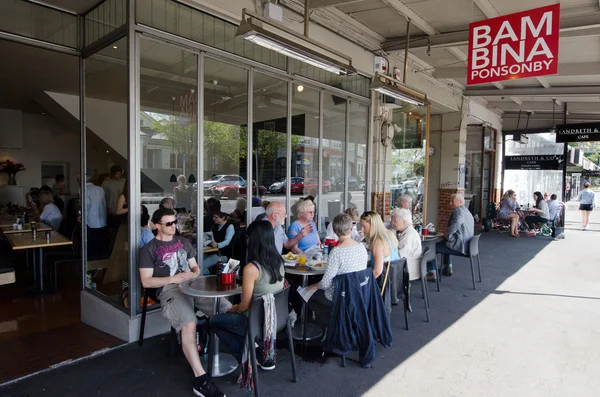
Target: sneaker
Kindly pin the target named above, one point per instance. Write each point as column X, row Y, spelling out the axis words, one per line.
column 266, row 365
column 447, row 271
column 204, row 387
column 431, row 276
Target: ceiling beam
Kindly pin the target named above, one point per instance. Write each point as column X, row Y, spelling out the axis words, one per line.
column 564, row 91
column 487, row 8
column 564, row 70
column 516, row 100
column 574, row 107
column 415, row 19
column 580, row 26
column 543, row 81
column 328, row 3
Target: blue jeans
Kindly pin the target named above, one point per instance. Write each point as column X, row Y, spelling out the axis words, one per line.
column 446, row 252
column 231, row 328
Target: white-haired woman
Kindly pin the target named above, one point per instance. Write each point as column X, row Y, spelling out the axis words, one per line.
column 182, row 194
column 240, row 210
column 306, row 213
column 405, row 201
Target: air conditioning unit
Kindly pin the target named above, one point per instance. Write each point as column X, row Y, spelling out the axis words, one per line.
column 381, row 65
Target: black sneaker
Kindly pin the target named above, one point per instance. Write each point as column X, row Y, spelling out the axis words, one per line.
column 447, row 271
column 204, row 387
column 266, row 365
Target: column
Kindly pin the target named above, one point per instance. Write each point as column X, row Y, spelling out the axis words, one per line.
column 452, row 170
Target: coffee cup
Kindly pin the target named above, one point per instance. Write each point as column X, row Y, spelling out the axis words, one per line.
column 15, row 226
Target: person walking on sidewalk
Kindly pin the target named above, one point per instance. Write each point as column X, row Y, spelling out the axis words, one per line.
column 587, row 202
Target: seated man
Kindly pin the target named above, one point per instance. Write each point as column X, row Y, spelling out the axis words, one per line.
column 554, row 207
column 276, row 214
column 165, row 262
column 461, row 228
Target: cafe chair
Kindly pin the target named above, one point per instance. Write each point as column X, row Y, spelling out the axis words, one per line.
column 256, row 330
column 420, row 274
column 7, row 275
column 72, row 257
column 151, row 293
column 472, row 255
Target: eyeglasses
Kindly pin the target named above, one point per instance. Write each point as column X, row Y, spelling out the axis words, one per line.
column 169, row 224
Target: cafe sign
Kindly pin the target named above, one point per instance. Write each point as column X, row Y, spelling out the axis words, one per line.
column 582, row 132
column 515, row 46
column 540, row 162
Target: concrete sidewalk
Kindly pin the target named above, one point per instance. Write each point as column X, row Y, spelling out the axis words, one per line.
column 531, row 329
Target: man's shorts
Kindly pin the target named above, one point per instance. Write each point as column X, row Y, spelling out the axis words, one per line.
column 180, row 309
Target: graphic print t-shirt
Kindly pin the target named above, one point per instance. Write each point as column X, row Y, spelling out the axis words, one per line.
column 167, row 257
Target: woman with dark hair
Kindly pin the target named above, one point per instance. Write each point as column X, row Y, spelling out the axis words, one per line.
column 540, row 210
column 262, row 275
column 587, row 201
column 508, row 211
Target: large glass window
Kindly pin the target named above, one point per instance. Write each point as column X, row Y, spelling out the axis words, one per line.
column 409, row 159
column 107, row 166
column 305, row 143
column 269, row 137
column 357, row 156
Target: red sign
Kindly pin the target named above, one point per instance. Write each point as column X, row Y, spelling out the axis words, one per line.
column 514, row 46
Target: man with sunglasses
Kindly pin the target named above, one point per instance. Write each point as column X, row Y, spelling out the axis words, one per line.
column 165, row 262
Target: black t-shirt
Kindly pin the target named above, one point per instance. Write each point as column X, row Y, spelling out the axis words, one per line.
column 167, row 257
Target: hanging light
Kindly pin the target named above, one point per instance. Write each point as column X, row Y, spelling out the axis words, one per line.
column 173, row 178
column 192, row 179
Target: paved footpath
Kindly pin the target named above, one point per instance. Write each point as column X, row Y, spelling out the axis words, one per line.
column 532, row 328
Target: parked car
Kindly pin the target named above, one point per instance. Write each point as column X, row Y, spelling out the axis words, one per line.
column 313, row 183
column 296, row 186
column 238, row 189
column 354, row 183
column 222, row 180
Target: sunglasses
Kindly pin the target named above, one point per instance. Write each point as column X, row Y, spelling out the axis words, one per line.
column 169, row 224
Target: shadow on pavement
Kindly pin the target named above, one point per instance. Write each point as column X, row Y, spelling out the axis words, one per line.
column 134, row 371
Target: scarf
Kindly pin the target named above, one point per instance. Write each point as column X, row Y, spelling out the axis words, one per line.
column 269, row 341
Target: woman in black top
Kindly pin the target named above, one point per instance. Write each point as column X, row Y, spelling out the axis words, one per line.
column 223, row 233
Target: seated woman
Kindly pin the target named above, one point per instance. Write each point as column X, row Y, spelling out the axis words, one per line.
column 349, row 256
column 354, row 234
column 47, row 212
column 383, row 243
column 540, row 213
column 262, row 275
column 223, row 232
column 508, row 211
column 306, row 212
column 240, row 210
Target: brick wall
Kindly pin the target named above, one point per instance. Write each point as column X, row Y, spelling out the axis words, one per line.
column 444, row 210
column 377, row 204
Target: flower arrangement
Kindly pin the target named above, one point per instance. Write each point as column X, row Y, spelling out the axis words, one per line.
column 11, row 168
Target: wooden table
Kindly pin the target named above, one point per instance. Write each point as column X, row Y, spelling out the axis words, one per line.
column 210, row 250
column 25, row 241
column 41, row 227
column 207, row 287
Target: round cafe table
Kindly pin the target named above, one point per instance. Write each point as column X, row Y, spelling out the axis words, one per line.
column 307, row 331
column 207, row 287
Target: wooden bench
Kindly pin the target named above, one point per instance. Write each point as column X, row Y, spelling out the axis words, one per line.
column 7, row 275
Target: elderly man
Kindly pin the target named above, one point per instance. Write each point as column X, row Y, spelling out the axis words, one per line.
column 164, row 263
column 276, row 214
column 460, row 231
column 409, row 247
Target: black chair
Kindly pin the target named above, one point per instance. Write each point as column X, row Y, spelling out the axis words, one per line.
column 427, row 256
column 256, row 329
column 472, row 254
column 151, row 293
column 54, row 260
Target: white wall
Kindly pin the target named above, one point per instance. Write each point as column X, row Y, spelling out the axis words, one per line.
column 43, row 140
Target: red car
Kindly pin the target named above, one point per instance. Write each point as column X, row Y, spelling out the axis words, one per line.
column 236, row 190
column 313, row 184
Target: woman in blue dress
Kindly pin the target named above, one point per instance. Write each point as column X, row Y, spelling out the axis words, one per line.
column 508, row 211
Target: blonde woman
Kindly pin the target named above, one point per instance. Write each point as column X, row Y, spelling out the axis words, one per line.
column 48, row 211
column 383, row 243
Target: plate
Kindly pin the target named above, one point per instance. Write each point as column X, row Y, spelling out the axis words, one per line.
column 290, row 261
column 317, row 265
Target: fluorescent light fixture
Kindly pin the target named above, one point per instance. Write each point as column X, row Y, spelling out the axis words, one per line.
column 395, row 92
column 292, row 44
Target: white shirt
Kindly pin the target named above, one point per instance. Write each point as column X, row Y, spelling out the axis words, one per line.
column 95, row 206
column 409, row 244
column 51, row 216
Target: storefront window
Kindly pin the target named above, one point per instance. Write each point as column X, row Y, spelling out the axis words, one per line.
column 357, row 156
column 269, row 138
column 107, row 167
column 409, row 159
